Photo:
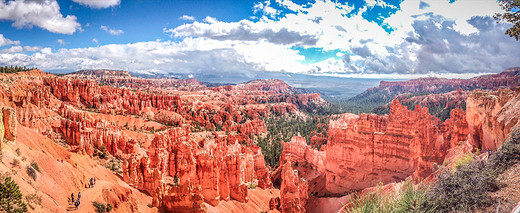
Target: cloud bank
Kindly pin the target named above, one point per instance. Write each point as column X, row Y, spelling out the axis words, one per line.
column 414, row 38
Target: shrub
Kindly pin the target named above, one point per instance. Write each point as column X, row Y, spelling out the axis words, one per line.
column 100, row 207
column 35, row 166
column 15, row 163
column 464, row 160
column 31, row 172
column 18, row 152
column 109, row 207
column 252, row 186
column 463, row 190
column 408, row 199
column 468, row 187
column 507, row 155
column 412, row 199
column 33, row 199
column 149, row 205
column 102, row 155
column 372, row 201
column 114, row 165
column 11, row 197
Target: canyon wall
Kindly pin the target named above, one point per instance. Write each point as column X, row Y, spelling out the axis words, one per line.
column 491, row 115
column 364, row 150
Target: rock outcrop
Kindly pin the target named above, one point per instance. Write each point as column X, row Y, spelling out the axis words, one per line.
column 455, row 129
column 87, row 134
column 491, row 115
column 293, row 191
column 308, row 161
column 8, row 124
column 367, row 149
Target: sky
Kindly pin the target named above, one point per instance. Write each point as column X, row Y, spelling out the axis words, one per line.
column 356, row 38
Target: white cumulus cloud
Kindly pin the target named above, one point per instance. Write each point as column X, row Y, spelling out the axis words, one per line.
column 61, row 42
column 5, row 41
column 187, row 18
column 44, row 14
column 13, row 49
column 111, row 31
column 98, row 4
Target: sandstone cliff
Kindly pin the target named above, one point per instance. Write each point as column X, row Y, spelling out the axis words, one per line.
column 491, row 115
column 367, row 149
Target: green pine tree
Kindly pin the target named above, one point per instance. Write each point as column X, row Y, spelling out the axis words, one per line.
column 11, row 197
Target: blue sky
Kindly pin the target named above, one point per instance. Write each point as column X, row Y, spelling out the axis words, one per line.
column 372, row 38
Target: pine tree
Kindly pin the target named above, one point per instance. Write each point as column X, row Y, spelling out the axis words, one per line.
column 11, row 197
column 511, row 15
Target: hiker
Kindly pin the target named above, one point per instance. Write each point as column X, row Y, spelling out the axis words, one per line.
column 72, row 197
column 91, row 182
column 79, row 195
column 94, row 180
column 489, row 153
column 76, row 204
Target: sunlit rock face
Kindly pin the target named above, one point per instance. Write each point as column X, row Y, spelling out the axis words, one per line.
column 491, row 116
column 364, row 150
column 293, row 191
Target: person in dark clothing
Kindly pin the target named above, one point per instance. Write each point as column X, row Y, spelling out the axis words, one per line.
column 72, row 197
column 76, row 204
column 79, row 195
column 489, row 153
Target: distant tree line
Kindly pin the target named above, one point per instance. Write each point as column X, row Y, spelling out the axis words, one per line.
column 14, row 69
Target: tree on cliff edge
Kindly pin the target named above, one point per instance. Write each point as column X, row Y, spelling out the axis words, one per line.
column 511, row 15
column 11, row 197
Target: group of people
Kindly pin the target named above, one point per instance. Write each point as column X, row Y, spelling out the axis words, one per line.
column 91, row 182
column 76, row 202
